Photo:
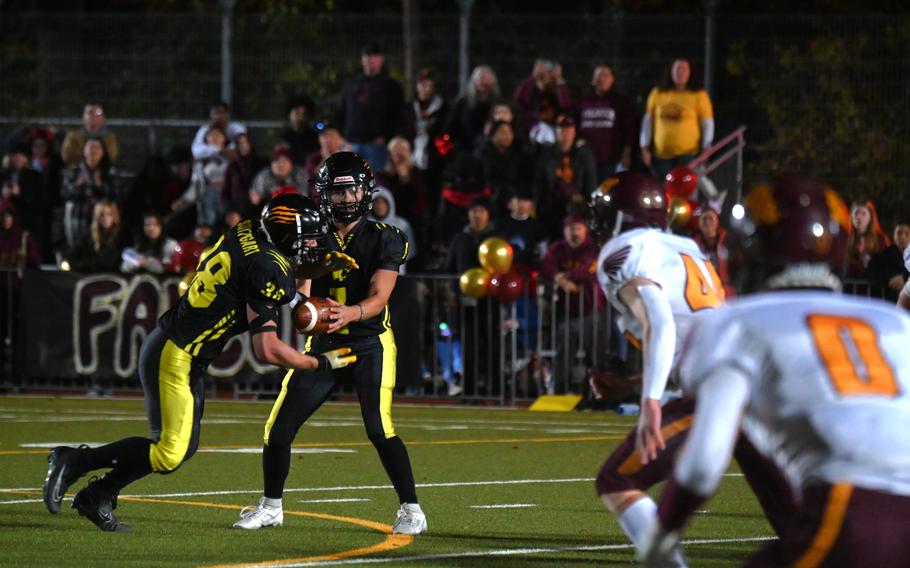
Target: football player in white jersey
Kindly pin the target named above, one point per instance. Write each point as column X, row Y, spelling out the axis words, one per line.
column 820, row 382
column 659, row 284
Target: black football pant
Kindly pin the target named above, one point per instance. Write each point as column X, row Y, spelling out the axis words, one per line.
column 302, row 393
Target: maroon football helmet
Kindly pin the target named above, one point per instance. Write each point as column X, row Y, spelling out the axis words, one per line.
column 794, row 221
column 627, row 200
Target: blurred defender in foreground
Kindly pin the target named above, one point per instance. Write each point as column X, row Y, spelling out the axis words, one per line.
column 818, row 381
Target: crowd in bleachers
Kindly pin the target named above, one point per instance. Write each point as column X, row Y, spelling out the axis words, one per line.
column 530, row 160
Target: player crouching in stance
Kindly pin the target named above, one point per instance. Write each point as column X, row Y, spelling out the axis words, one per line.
column 239, row 285
column 821, row 379
column 361, row 294
column 659, row 284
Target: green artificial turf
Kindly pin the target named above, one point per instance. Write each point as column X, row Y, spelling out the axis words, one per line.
column 468, row 463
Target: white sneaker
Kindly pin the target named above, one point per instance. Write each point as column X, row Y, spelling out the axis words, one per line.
column 454, row 389
column 252, row 518
column 410, row 520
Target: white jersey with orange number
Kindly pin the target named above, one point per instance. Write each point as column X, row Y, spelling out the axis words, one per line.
column 827, row 381
column 674, row 263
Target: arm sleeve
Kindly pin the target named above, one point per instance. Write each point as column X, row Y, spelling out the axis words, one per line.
column 393, row 248
column 269, row 283
column 721, row 397
column 647, row 121
column 660, row 342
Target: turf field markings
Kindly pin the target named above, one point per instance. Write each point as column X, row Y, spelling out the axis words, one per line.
column 293, row 451
column 351, row 500
column 507, row 552
column 504, row 506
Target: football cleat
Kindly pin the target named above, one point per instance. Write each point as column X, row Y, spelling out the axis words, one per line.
column 62, row 472
column 98, row 506
column 410, row 520
column 252, row 518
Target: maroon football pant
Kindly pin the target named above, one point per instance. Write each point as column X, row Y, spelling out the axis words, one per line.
column 623, row 470
column 843, row 526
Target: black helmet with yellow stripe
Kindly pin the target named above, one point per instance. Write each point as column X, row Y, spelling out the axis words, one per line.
column 288, row 221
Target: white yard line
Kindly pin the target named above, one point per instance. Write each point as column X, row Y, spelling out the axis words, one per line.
column 501, row 552
column 353, row 500
column 504, row 506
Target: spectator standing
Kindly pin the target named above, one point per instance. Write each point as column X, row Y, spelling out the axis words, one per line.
column 544, row 83
column 84, row 185
column 712, row 240
column 402, row 177
column 866, row 238
column 524, row 231
column 678, row 121
column 424, row 118
column 330, row 141
column 93, row 125
column 504, row 163
column 383, row 211
column 18, row 249
column 607, row 123
column 238, row 179
column 47, row 162
column 571, row 263
column 102, row 251
column 23, row 188
column 300, row 135
column 566, row 176
column 371, row 106
column 469, row 113
column 207, row 182
column 281, row 173
column 154, row 250
column 887, row 269
column 219, row 116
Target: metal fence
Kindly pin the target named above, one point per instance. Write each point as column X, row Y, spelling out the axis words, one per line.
column 821, row 94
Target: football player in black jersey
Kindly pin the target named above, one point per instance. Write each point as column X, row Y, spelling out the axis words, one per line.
column 345, row 183
column 239, row 285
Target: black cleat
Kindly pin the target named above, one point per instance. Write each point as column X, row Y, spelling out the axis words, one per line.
column 98, row 506
column 62, row 472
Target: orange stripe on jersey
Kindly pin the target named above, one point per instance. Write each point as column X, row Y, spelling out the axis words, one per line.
column 633, row 462
column 633, row 340
column 832, row 521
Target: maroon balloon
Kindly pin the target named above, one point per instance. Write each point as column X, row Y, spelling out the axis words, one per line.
column 682, row 182
column 506, row 287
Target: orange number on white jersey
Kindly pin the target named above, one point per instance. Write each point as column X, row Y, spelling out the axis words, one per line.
column 700, row 293
column 830, row 334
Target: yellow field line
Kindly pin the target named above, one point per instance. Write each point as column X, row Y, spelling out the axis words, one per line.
column 367, row 443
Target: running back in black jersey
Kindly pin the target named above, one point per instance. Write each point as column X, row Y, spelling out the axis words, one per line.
column 375, row 246
column 240, row 269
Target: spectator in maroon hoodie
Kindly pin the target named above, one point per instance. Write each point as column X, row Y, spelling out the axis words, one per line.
column 238, row 179
column 545, row 79
column 607, row 122
column 572, row 264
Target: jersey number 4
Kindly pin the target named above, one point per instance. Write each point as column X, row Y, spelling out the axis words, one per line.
column 702, row 294
column 835, row 337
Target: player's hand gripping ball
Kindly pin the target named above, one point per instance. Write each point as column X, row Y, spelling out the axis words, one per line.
column 312, row 316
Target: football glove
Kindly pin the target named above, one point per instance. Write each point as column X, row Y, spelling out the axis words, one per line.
column 337, row 358
column 337, row 261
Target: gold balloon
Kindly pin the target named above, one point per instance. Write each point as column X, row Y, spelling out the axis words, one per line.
column 474, row 282
column 680, row 212
column 495, row 255
column 185, row 283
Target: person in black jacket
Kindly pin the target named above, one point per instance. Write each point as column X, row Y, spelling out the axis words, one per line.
column 371, row 106
column 887, row 269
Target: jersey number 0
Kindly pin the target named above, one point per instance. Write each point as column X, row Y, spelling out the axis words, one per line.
column 831, row 334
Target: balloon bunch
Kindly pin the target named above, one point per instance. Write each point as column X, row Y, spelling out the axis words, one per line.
column 681, row 185
column 494, row 277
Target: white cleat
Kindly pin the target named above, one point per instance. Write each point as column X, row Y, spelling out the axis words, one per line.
column 410, row 520
column 252, row 518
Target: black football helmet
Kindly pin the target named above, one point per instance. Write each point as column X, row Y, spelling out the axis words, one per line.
column 288, row 221
column 627, row 200
column 794, row 233
column 341, row 172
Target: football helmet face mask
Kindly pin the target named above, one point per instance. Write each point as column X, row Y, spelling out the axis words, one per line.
column 345, row 185
column 289, row 221
column 794, row 234
column 625, row 201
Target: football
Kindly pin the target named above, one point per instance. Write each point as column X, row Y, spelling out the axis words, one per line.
column 312, row 317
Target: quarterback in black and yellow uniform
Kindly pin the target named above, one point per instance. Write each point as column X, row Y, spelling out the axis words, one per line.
column 361, row 294
column 239, row 285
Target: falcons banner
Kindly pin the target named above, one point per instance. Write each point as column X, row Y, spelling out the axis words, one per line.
column 80, row 325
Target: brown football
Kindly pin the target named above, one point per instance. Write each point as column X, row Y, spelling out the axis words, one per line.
column 312, row 317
